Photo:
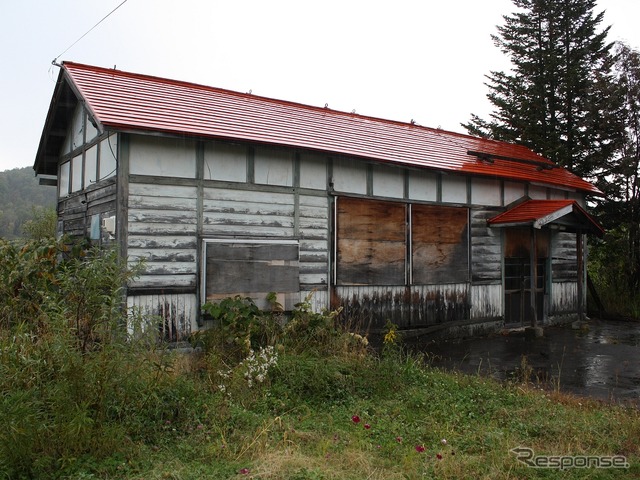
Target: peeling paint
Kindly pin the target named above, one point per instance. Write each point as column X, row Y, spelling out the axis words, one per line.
column 407, row 307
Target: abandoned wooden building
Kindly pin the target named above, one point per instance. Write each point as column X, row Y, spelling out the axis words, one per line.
column 225, row 193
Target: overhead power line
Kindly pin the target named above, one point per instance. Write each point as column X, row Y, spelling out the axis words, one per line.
column 54, row 61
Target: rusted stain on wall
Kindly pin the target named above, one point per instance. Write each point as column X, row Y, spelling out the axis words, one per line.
column 407, row 307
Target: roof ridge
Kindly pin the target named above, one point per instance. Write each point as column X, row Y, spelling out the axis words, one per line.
column 120, row 100
column 326, row 108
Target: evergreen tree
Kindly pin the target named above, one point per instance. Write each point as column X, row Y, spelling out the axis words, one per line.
column 559, row 98
column 617, row 259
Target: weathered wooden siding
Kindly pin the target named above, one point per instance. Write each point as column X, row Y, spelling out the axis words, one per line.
column 172, row 316
column 564, row 263
column 564, row 298
column 313, row 233
column 486, row 248
column 77, row 210
column 486, row 302
column 162, row 231
column 230, row 212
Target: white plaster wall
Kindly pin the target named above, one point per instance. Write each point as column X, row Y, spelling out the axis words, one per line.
column 513, row 191
column 225, row 162
column 313, row 172
column 388, row 181
column 423, row 186
column 165, row 157
column 454, row 189
column 349, row 176
column 273, row 167
column 486, row 191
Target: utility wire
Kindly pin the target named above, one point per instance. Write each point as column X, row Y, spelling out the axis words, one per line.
column 54, row 61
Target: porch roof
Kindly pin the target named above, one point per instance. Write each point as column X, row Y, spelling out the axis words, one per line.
column 566, row 215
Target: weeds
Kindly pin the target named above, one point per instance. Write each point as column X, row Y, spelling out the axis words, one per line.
column 262, row 399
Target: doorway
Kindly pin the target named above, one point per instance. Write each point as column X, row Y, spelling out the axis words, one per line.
column 526, row 257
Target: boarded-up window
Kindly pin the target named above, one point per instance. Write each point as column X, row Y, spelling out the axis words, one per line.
column 440, row 244
column 371, row 242
column 252, row 269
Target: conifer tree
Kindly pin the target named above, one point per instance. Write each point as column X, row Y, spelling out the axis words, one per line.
column 617, row 259
column 559, row 97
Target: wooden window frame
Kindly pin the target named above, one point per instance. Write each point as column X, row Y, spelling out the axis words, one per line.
column 288, row 297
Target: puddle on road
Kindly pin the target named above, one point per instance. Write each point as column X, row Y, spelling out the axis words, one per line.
column 600, row 360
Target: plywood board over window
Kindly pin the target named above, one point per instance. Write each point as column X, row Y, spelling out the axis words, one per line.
column 440, row 244
column 252, row 269
column 371, row 242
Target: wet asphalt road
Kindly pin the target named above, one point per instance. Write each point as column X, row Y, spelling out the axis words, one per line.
column 601, row 359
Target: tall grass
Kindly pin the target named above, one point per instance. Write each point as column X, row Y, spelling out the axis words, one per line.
column 259, row 398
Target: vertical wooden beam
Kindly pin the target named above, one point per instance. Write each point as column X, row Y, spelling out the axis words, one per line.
column 200, row 146
column 296, row 195
column 122, row 193
column 580, row 260
column 369, row 179
column 406, row 186
column 251, row 174
column 409, row 249
column 534, row 277
column 331, row 243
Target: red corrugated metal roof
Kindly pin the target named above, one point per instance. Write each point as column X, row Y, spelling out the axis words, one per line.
column 133, row 102
column 539, row 213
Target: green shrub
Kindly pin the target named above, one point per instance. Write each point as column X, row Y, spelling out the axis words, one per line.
column 239, row 327
column 74, row 385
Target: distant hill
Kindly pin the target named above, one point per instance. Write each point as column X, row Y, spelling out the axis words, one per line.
column 20, row 193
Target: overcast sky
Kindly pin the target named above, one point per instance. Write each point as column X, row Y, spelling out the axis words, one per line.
column 408, row 59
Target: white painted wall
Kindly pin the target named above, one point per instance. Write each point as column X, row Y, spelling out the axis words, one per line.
column 273, row 167
column 423, row 186
column 108, row 155
column 313, row 171
column 537, row 192
column 388, row 181
column 225, row 162
column 454, row 189
column 165, row 157
column 486, row 191
column 513, row 191
column 349, row 176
